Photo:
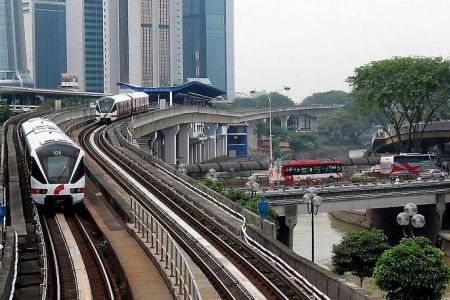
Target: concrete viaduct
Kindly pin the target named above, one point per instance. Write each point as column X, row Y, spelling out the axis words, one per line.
column 436, row 133
column 380, row 200
column 176, row 125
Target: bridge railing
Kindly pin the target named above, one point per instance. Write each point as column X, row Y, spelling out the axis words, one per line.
column 170, row 255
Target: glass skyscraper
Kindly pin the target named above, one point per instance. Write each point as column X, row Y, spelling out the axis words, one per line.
column 45, row 33
column 207, row 42
column 13, row 62
column 93, row 43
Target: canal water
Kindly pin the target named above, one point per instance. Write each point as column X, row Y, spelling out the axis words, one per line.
column 327, row 231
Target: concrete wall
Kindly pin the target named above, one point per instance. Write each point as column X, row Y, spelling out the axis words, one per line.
column 7, row 264
column 324, row 280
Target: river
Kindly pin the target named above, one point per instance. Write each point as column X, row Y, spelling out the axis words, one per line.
column 327, row 231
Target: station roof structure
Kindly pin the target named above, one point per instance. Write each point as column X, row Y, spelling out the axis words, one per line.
column 192, row 88
column 8, row 90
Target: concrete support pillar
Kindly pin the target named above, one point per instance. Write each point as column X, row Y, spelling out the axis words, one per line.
column 198, row 152
column 440, row 210
column 191, row 153
column 284, row 120
column 170, row 144
column 183, row 146
column 151, row 143
column 206, row 150
column 252, row 139
column 287, row 225
column 314, row 124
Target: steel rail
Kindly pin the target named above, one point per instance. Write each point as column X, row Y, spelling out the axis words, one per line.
column 97, row 258
column 180, row 238
column 290, row 272
column 55, row 260
column 245, row 261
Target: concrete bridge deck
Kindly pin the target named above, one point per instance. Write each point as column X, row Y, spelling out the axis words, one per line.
column 157, row 120
column 361, row 196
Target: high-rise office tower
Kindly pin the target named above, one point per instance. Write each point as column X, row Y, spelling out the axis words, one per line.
column 155, row 42
column 93, row 44
column 13, row 61
column 45, row 35
column 208, row 42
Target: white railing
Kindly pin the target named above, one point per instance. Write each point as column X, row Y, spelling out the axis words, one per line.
column 170, row 255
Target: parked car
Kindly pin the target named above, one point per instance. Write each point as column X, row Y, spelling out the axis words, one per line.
column 363, row 177
column 433, row 174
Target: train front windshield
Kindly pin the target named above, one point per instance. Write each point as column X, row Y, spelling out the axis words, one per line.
column 104, row 105
column 58, row 161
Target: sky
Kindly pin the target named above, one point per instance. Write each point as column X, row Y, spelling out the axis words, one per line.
column 314, row 45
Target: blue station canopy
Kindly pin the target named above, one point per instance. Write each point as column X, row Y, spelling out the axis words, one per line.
column 194, row 88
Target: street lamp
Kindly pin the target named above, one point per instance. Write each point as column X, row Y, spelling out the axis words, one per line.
column 410, row 218
column 313, row 202
column 286, row 88
column 252, row 186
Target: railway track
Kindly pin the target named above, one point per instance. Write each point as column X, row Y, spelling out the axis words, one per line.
column 78, row 271
column 270, row 281
column 57, row 249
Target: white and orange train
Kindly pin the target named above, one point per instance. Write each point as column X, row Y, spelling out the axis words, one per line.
column 54, row 162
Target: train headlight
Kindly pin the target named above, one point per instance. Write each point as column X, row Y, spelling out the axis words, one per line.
column 77, row 191
column 39, row 191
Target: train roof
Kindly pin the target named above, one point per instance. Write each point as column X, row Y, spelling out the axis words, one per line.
column 39, row 131
column 138, row 95
column 125, row 97
column 117, row 98
column 310, row 163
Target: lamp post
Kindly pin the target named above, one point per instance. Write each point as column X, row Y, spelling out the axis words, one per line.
column 286, row 88
column 313, row 202
column 411, row 219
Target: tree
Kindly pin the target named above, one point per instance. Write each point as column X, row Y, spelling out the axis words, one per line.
column 5, row 111
column 401, row 92
column 302, row 141
column 358, row 252
column 261, row 101
column 414, row 269
column 213, row 184
column 344, row 122
column 327, row 98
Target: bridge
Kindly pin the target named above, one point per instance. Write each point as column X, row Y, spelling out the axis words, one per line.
column 175, row 133
column 436, row 133
column 361, row 196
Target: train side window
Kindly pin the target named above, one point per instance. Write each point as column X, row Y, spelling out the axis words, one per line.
column 36, row 172
column 79, row 172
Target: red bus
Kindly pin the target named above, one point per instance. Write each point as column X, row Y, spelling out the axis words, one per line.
column 311, row 171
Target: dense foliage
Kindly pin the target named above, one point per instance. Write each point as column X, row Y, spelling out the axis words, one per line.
column 302, row 141
column 401, row 92
column 327, row 98
column 344, row 123
column 414, row 269
column 261, row 101
column 358, row 252
column 5, row 112
column 239, row 196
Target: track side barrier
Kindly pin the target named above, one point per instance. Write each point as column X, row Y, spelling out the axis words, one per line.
column 170, row 256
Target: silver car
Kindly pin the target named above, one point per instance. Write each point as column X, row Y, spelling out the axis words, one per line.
column 433, row 174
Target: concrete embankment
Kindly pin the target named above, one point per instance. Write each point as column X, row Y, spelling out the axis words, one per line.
column 357, row 218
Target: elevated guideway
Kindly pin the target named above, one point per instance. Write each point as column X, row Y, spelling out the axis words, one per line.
column 157, row 120
column 435, row 133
